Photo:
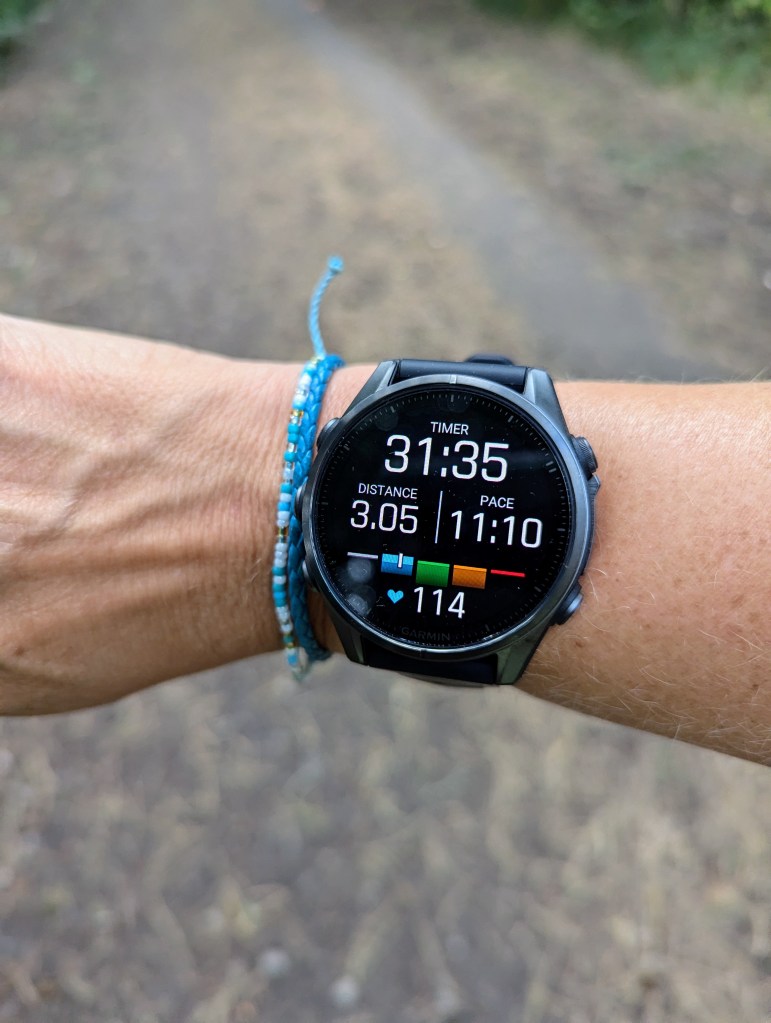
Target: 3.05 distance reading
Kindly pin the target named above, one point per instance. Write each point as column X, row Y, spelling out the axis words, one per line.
column 442, row 517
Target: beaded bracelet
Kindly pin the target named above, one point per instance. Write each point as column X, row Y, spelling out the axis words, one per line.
column 289, row 594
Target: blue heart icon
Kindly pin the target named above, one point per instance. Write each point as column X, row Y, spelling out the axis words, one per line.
column 395, row 596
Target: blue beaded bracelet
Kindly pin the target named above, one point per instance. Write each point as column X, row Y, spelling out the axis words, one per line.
column 289, row 593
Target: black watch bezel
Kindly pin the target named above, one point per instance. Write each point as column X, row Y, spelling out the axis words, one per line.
column 560, row 441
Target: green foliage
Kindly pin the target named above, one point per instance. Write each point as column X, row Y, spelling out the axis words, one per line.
column 726, row 40
column 14, row 17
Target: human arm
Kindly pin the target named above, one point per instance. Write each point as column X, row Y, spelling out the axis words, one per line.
column 137, row 504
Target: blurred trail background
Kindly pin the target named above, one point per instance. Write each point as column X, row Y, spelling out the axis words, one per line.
column 233, row 848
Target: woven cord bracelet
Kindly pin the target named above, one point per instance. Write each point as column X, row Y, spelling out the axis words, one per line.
column 289, row 592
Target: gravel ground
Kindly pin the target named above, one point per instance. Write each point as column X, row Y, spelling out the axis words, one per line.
column 231, row 848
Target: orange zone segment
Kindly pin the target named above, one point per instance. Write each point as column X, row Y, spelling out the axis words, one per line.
column 466, row 575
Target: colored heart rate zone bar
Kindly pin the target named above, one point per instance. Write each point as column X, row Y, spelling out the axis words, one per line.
column 439, row 573
column 436, row 573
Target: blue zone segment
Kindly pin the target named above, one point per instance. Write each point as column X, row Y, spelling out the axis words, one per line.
column 397, row 564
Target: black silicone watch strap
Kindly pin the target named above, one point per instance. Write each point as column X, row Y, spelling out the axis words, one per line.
column 495, row 368
column 479, row 671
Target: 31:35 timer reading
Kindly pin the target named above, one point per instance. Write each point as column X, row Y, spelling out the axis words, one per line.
column 493, row 468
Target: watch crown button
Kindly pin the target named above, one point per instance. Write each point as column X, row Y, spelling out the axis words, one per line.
column 299, row 497
column 586, row 456
column 569, row 606
column 324, row 433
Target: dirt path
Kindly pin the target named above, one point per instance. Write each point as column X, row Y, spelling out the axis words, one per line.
column 193, row 172
column 585, row 317
column 670, row 190
column 230, row 848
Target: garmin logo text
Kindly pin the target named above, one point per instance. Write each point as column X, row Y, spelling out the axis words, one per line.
column 426, row 637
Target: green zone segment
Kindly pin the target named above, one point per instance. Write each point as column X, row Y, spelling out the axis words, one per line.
column 432, row 573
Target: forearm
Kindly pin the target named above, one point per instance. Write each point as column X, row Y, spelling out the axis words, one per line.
column 137, row 490
column 135, row 516
column 673, row 636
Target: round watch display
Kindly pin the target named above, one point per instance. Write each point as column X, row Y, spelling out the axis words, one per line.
column 441, row 516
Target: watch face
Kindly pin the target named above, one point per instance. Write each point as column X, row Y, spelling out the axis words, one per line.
column 442, row 517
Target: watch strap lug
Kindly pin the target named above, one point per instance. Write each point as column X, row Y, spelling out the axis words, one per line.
column 513, row 659
column 539, row 389
column 349, row 637
column 383, row 376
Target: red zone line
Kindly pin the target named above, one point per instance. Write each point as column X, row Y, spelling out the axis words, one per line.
column 499, row 571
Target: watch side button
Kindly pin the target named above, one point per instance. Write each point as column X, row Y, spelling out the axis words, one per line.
column 586, row 455
column 569, row 606
column 299, row 497
column 307, row 577
column 324, row 433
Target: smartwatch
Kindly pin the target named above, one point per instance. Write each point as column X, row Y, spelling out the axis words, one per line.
column 448, row 517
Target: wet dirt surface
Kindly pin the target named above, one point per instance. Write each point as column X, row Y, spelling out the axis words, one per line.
column 230, row 847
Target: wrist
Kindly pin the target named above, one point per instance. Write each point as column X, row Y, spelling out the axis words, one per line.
column 260, row 398
column 342, row 388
